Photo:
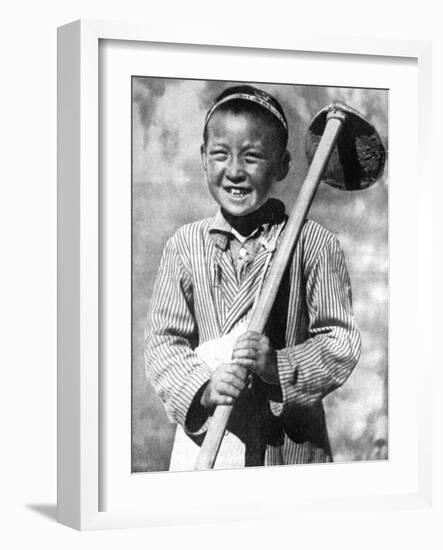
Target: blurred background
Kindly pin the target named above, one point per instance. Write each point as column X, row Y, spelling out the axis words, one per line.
column 169, row 189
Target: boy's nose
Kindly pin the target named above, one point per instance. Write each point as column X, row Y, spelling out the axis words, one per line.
column 235, row 171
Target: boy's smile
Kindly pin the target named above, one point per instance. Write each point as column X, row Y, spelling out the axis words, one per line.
column 242, row 160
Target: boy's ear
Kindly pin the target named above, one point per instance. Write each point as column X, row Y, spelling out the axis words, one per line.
column 203, row 156
column 285, row 164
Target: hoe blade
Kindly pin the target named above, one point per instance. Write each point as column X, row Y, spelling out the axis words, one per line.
column 358, row 158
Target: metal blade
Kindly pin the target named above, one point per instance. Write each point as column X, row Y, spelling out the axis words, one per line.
column 358, row 158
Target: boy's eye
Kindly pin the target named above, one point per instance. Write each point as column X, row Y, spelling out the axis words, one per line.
column 253, row 156
column 218, row 154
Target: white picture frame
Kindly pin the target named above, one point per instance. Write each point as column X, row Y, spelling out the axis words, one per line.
column 79, row 361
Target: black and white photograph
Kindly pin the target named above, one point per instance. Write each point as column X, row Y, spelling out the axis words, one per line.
column 259, row 274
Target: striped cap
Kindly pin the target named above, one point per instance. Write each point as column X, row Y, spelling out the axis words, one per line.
column 249, row 93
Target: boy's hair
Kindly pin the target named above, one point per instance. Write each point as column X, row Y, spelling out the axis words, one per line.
column 247, row 99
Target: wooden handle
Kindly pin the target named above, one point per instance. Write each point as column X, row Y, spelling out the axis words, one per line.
column 259, row 318
column 214, row 437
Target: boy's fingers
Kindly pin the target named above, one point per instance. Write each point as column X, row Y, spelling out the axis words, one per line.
column 249, row 364
column 225, row 400
column 225, row 388
column 220, row 399
column 244, row 353
column 239, row 372
column 255, row 343
column 234, row 380
column 264, row 343
column 231, row 368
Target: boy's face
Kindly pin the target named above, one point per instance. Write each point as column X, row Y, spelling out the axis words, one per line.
column 242, row 160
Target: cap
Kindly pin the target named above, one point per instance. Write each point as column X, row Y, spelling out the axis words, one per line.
column 255, row 95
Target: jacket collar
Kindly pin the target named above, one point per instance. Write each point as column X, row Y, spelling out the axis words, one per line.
column 271, row 213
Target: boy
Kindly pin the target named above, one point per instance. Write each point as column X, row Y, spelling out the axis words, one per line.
column 210, row 274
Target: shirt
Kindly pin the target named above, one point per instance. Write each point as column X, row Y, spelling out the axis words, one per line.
column 197, row 298
column 242, row 249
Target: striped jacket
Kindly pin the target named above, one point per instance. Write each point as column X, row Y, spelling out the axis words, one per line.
column 197, row 298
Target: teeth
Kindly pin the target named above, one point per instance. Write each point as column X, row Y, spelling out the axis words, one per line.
column 237, row 192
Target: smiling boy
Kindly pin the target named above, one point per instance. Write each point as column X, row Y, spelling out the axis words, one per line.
column 210, row 274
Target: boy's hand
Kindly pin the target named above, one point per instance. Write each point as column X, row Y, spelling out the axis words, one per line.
column 225, row 385
column 254, row 352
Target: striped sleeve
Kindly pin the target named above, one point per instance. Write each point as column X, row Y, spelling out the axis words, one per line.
column 171, row 334
column 322, row 363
